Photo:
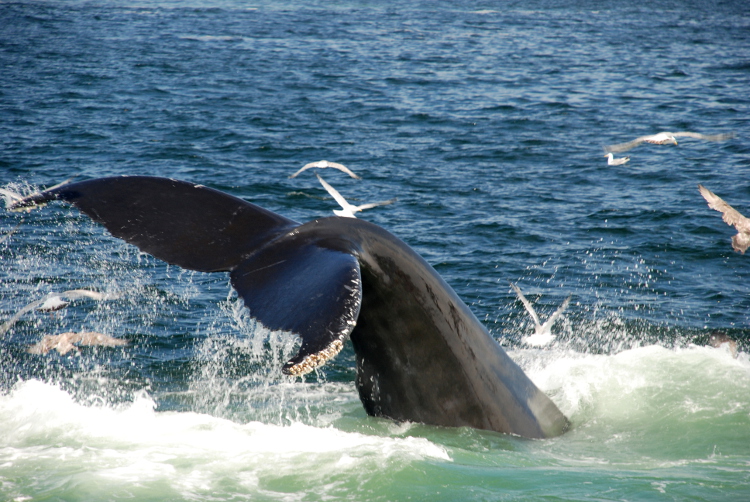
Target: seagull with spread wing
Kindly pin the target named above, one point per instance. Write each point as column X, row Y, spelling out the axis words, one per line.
column 732, row 217
column 56, row 301
column 666, row 138
column 64, row 342
column 542, row 332
column 348, row 210
column 322, row 164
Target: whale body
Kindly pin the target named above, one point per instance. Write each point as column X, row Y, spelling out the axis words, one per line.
column 421, row 354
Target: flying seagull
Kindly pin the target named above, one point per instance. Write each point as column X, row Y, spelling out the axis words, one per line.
column 63, row 343
column 322, row 164
column 612, row 161
column 56, row 301
column 732, row 217
column 542, row 332
column 664, row 138
column 348, row 210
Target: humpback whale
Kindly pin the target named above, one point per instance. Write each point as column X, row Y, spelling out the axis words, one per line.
column 421, row 354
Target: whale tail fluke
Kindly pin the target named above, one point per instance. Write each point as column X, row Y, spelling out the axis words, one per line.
column 287, row 285
column 184, row 224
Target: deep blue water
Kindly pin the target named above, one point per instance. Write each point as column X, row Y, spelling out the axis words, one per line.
column 487, row 122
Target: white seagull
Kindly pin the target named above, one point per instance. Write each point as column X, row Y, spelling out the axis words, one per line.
column 56, row 301
column 348, row 210
column 322, row 164
column 542, row 332
column 612, row 161
column 665, row 138
column 732, row 217
column 63, row 343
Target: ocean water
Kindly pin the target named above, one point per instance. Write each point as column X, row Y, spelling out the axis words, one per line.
column 486, row 120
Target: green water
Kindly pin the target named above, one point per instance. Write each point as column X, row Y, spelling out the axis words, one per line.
column 648, row 424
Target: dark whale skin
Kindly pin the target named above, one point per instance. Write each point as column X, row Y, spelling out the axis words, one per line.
column 422, row 356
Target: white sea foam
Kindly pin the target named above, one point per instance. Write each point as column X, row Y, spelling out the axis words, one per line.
column 638, row 381
column 42, row 428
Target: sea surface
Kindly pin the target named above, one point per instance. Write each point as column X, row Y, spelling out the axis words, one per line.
column 486, row 121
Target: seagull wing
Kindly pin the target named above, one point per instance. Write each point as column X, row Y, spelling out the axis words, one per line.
column 707, row 137
column 375, row 204
column 343, row 168
column 730, row 215
column 95, row 338
column 305, row 167
column 10, row 322
column 335, row 194
column 548, row 325
column 64, row 342
column 526, row 304
column 622, row 147
column 75, row 294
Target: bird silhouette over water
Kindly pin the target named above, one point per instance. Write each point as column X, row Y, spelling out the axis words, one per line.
column 732, row 217
column 56, row 301
column 322, row 164
column 666, row 138
column 542, row 332
column 348, row 210
column 66, row 342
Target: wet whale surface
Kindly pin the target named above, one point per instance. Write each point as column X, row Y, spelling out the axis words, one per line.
column 422, row 356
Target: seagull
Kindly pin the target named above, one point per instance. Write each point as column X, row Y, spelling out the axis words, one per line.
column 612, row 161
column 63, row 343
column 348, row 210
column 322, row 164
column 56, row 301
column 542, row 332
column 13, row 198
column 732, row 217
column 664, row 138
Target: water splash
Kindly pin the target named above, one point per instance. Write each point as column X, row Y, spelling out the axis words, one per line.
column 130, row 449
